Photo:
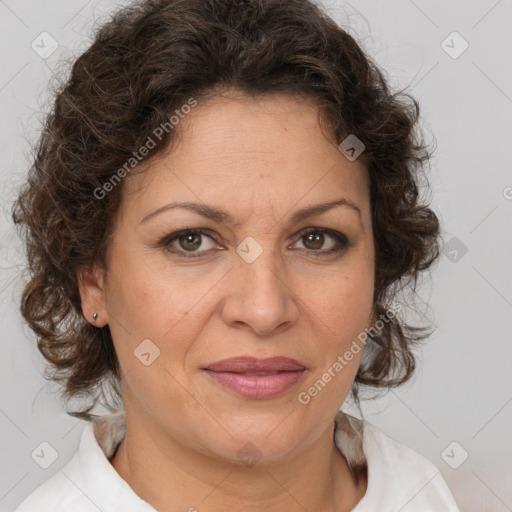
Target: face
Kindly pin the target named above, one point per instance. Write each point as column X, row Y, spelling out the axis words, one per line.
column 248, row 269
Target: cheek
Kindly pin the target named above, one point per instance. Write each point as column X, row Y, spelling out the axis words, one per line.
column 344, row 304
column 168, row 307
column 341, row 311
column 152, row 296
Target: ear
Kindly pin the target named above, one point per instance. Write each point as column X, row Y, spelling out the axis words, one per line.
column 91, row 286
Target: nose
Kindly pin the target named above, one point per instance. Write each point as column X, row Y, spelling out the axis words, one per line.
column 261, row 297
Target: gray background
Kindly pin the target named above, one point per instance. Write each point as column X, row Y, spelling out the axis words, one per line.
column 462, row 390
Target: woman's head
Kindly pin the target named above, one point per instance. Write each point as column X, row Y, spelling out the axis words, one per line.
column 238, row 106
column 253, row 284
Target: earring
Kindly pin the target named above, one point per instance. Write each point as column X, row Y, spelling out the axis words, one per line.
column 95, row 317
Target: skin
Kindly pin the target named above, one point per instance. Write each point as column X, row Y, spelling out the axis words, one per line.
column 260, row 159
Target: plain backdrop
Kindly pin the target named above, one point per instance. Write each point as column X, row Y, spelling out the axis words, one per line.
column 455, row 59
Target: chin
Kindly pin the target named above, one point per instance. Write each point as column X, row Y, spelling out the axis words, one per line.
column 268, row 437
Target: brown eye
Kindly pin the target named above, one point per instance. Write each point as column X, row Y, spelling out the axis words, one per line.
column 313, row 240
column 322, row 241
column 190, row 242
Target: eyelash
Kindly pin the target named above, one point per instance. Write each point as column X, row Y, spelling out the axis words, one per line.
column 340, row 238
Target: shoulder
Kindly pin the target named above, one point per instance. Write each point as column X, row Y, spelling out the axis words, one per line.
column 401, row 478
column 88, row 482
column 398, row 478
column 58, row 493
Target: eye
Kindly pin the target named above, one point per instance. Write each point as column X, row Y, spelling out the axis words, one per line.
column 195, row 242
column 316, row 239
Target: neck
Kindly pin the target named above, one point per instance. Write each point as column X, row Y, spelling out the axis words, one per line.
column 172, row 476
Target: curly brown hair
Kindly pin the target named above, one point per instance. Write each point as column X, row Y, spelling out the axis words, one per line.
column 144, row 63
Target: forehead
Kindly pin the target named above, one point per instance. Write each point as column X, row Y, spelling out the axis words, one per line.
column 254, row 150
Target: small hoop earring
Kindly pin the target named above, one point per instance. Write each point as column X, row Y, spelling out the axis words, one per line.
column 95, row 317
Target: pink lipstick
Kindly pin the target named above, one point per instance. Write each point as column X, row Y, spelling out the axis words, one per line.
column 257, row 378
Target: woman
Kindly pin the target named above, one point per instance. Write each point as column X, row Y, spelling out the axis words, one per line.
column 222, row 207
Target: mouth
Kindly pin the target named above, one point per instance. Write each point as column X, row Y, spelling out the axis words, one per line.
column 257, row 378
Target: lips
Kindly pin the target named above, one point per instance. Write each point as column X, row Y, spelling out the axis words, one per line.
column 255, row 365
column 256, row 378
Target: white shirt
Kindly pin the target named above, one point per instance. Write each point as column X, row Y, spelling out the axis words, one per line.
column 399, row 479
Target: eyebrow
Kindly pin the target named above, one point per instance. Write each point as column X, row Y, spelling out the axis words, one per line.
column 218, row 215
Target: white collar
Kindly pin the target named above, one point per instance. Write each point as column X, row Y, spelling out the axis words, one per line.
column 102, row 435
column 398, row 477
